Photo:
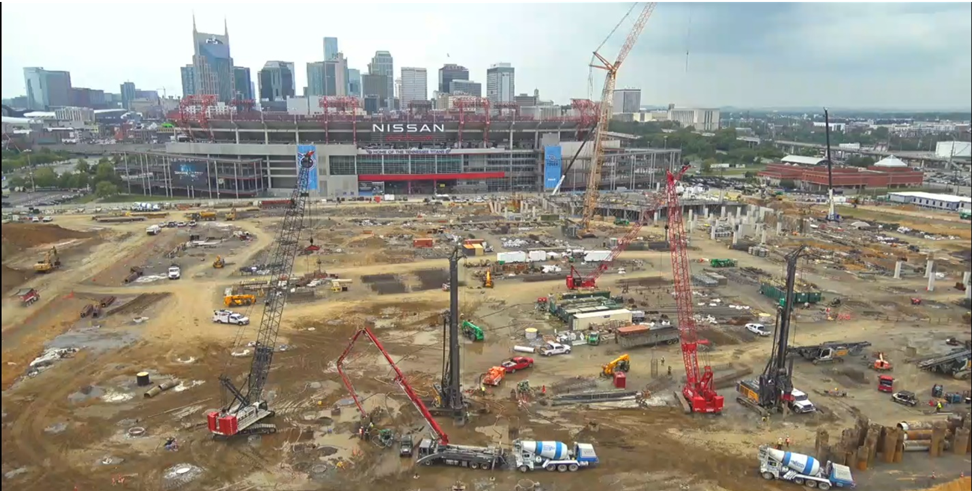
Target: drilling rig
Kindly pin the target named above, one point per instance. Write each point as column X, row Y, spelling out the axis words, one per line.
column 450, row 398
column 247, row 407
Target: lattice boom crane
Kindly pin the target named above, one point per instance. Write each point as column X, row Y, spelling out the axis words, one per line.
column 248, row 406
column 698, row 392
column 606, row 110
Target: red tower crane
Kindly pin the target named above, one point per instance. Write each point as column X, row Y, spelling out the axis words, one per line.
column 440, row 434
column 698, row 392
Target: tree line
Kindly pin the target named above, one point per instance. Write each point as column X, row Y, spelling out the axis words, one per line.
column 100, row 177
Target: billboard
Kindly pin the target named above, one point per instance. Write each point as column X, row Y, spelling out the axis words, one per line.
column 552, row 166
column 312, row 184
column 189, row 173
column 371, row 188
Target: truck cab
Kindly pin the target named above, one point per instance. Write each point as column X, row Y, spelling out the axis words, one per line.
column 801, row 402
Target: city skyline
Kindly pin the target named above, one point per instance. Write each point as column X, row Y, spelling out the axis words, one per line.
column 846, row 55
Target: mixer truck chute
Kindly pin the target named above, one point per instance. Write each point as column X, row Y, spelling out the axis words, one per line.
column 802, row 469
column 531, row 455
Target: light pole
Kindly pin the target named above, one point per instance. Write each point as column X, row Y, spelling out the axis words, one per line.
column 30, row 171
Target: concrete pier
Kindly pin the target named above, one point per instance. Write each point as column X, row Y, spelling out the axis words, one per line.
column 929, row 267
column 735, row 237
column 779, row 227
column 722, row 212
column 897, row 270
column 931, row 283
column 966, row 278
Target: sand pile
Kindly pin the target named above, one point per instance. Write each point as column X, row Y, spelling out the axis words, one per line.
column 13, row 278
column 20, row 236
column 963, row 484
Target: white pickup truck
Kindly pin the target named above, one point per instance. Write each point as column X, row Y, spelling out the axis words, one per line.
column 552, row 348
column 230, row 317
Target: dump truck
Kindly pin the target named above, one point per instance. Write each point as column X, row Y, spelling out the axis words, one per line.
column 802, row 469
column 551, row 455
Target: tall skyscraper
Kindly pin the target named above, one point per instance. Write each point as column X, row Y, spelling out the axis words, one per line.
column 188, row 80
column 415, row 86
column 330, row 48
column 500, row 83
column 450, row 72
column 242, row 83
column 354, row 82
column 127, row 95
column 336, row 76
column 276, row 81
column 383, row 64
column 47, row 89
column 627, row 101
column 466, row 87
column 212, row 64
column 315, row 79
column 375, row 88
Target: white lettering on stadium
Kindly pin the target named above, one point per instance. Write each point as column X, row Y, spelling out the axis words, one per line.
column 408, row 128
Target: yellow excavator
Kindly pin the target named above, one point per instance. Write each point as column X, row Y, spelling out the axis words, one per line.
column 230, row 215
column 239, row 300
column 219, row 262
column 619, row 364
column 488, row 280
column 50, row 262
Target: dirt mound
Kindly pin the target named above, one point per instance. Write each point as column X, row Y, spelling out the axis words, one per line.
column 12, row 278
column 20, row 236
column 963, row 484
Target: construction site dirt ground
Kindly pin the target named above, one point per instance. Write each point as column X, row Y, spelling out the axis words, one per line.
column 79, row 419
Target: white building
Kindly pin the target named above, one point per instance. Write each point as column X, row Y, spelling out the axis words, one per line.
column 500, row 83
column 75, row 114
column 700, row 119
column 627, row 101
column 953, row 149
column 415, row 86
column 932, row 200
column 802, row 160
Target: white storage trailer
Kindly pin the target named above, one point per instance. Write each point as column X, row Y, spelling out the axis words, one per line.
column 582, row 321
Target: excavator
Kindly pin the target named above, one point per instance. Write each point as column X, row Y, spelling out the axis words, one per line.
column 619, row 364
column 230, row 215
column 50, row 262
column 239, row 300
column 881, row 364
column 219, row 263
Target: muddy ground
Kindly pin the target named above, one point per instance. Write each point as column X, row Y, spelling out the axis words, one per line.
column 82, row 421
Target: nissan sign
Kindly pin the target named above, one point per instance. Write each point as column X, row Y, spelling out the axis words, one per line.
column 408, row 128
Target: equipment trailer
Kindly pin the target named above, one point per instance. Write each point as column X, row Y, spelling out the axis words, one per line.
column 830, row 352
column 956, row 364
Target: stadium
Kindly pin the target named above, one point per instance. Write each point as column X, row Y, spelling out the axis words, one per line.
column 241, row 153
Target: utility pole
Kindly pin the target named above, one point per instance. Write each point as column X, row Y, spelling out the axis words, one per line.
column 831, row 208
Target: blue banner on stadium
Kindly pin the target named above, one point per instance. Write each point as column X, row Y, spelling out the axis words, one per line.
column 552, row 166
column 312, row 177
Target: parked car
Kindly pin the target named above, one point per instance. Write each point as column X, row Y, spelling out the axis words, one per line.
column 905, row 397
column 758, row 329
column 175, row 273
column 552, row 348
column 47, row 219
column 230, row 317
column 517, row 363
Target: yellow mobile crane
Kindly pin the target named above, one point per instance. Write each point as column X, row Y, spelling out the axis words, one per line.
column 605, row 112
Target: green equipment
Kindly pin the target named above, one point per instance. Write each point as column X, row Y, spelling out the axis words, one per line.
column 621, row 222
column 722, row 263
column 472, row 331
column 594, row 338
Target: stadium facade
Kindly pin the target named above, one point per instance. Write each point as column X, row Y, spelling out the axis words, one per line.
column 364, row 156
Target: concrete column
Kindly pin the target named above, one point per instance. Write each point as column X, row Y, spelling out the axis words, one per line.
column 966, row 277
column 929, row 266
column 656, row 215
column 931, row 283
column 735, row 237
column 691, row 215
column 705, row 210
column 722, row 213
column 779, row 227
column 968, row 292
column 691, row 226
column 738, row 211
column 897, row 270
column 762, row 236
column 712, row 230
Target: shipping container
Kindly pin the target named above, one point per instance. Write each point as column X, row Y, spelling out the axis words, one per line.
column 596, row 256
column 423, row 242
column 641, row 335
column 772, row 291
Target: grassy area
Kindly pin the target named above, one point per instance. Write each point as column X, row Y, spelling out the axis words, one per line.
column 734, row 172
column 120, row 198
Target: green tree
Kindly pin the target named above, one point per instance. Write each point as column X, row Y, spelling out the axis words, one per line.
column 105, row 172
column 859, row 161
column 105, row 189
column 82, row 180
column 82, row 166
column 67, row 180
column 45, row 177
column 706, row 167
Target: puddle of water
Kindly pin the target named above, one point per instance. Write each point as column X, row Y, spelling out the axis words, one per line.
column 56, row 428
column 87, row 392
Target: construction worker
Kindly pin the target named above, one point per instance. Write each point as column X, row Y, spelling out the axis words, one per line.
column 787, row 441
column 482, row 390
column 663, row 360
column 938, row 407
column 779, row 443
column 669, row 370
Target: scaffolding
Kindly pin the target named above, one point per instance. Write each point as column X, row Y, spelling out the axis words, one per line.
column 468, row 103
column 196, row 108
column 339, row 104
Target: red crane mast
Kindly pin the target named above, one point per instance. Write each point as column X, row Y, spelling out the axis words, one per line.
column 443, row 439
column 698, row 391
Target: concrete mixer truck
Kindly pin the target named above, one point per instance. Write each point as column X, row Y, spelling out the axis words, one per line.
column 531, row 455
column 802, row 469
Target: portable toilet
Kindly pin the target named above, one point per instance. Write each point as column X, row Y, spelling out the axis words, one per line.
column 620, row 379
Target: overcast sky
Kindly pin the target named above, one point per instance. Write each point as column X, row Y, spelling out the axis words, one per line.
column 896, row 56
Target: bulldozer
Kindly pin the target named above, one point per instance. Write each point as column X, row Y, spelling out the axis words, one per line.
column 239, row 300
column 219, row 263
column 50, row 262
column 619, row 364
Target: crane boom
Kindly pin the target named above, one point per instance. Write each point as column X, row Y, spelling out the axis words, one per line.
column 605, row 111
column 247, row 406
column 698, row 390
column 440, row 434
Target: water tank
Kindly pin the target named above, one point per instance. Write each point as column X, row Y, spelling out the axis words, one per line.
column 550, row 450
column 804, row 464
